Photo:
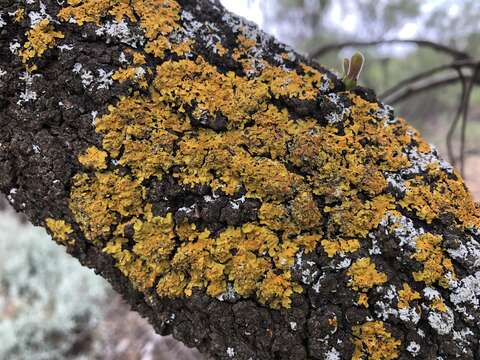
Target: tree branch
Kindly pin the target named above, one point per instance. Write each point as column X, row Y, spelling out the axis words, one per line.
column 453, row 125
column 416, row 89
column 427, row 74
column 456, row 54
column 254, row 212
column 466, row 106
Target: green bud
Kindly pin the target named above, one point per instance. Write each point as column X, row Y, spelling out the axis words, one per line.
column 352, row 69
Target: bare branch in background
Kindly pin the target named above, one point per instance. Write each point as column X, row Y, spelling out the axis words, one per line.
column 466, row 106
column 456, row 54
column 427, row 74
column 417, row 88
column 453, row 125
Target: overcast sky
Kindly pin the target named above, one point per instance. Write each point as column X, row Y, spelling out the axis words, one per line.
column 249, row 9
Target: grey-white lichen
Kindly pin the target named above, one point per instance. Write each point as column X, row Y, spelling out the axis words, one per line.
column 2, row 22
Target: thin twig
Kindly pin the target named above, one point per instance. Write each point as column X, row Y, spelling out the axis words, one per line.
column 416, row 89
column 454, row 123
column 466, row 106
column 426, row 74
column 456, row 54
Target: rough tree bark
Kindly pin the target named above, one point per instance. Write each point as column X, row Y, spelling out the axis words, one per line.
column 230, row 190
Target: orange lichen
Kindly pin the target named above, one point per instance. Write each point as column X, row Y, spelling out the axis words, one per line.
column 364, row 276
column 436, row 265
column 84, row 11
column 276, row 290
column 356, row 218
column 313, row 180
column 308, row 241
column 94, row 158
column 334, row 247
column 371, row 339
column 406, row 296
column 39, row 39
column 439, row 305
column 445, row 195
column 95, row 199
column 60, row 230
column 305, row 211
column 246, row 271
column 19, row 15
column 363, row 300
column 172, row 285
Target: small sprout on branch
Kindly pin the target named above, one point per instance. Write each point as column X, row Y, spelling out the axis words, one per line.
column 352, row 69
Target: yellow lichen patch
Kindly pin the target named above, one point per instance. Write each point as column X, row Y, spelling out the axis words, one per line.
column 334, row 247
column 186, row 82
column 94, row 158
column 284, row 258
column 274, row 216
column 141, row 273
column 259, row 239
column 19, row 15
column 308, row 241
column 157, row 19
column 146, row 158
column 246, row 271
column 94, row 200
column 406, row 295
column 372, row 340
column 304, row 85
column 115, row 246
column 445, row 195
column 39, row 39
column 172, row 285
column 271, row 131
column 363, row 300
column 84, row 11
column 356, row 218
column 154, row 238
column 305, row 211
column 364, row 275
column 195, row 124
column 436, row 265
column 60, row 230
column 266, row 178
column 276, row 290
column 439, row 305
column 208, row 152
column 288, row 83
column 146, row 132
column 344, row 165
column 138, row 58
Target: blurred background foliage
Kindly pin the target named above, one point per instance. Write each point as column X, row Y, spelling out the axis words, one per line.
column 52, row 308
